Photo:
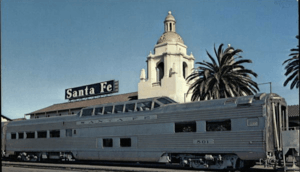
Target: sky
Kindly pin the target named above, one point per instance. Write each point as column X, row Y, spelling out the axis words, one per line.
column 51, row 45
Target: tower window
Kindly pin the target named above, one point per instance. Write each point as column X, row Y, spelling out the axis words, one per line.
column 170, row 26
column 184, row 70
column 160, row 71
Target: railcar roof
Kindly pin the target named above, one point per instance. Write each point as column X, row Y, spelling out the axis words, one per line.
column 260, row 98
column 85, row 103
column 75, row 117
column 160, row 99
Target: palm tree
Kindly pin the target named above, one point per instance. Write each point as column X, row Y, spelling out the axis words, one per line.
column 225, row 78
column 292, row 68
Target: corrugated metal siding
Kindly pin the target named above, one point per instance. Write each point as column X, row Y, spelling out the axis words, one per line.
column 231, row 141
column 222, row 139
column 51, row 144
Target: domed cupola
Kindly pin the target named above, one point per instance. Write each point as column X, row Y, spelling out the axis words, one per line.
column 170, row 18
column 170, row 34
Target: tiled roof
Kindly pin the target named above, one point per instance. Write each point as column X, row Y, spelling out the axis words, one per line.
column 89, row 102
column 293, row 110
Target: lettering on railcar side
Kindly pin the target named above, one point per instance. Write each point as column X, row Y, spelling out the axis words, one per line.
column 251, row 122
column 204, row 141
column 122, row 119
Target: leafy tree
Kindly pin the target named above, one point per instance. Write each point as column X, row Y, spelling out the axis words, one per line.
column 224, row 77
column 292, row 68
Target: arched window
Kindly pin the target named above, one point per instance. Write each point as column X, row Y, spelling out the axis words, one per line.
column 184, row 69
column 160, row 71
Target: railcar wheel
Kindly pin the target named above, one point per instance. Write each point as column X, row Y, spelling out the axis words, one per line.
column 183, row 162
column 23, row 158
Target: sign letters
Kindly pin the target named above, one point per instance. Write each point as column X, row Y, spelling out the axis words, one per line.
column 101, row 88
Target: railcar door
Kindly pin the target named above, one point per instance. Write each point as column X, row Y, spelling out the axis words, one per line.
column 284, row 138
column 289, row 138
column 280, row 121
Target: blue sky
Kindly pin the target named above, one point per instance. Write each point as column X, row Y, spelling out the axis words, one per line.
column 51, row 45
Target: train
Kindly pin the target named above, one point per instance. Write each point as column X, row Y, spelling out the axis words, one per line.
column 228, row 133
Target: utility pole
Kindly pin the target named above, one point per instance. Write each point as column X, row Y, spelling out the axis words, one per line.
column 267, row 83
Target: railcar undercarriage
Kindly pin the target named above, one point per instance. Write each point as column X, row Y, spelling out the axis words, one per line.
column 210, row 161
column 42, row 156
column 197, row 161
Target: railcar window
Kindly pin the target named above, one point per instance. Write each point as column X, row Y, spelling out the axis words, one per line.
column 98, row 111
column 129, row 107
column 54, row 133
column 185, row 127
column 68, row 132
column 42, row 134
column 143, row 106
column 87, row 112
column 21, row 135
column 107, row 142
column 13, row 136
column 119, row 108
column 224, row 125
column 125, row 142
column 156, row 105
column 108, row 109
column 284, row 118
column 30, row 135
column 164, row 100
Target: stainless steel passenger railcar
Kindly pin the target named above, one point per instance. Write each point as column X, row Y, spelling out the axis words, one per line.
column 215, row 134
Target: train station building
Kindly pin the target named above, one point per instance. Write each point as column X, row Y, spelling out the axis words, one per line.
column 167, row 68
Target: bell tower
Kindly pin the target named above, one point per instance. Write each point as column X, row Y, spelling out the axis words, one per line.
column 167, row 67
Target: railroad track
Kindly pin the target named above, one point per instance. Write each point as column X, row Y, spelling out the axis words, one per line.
column 94, row 166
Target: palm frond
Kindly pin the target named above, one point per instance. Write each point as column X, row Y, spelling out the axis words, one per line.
column 292, row 68
column 227, row 78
